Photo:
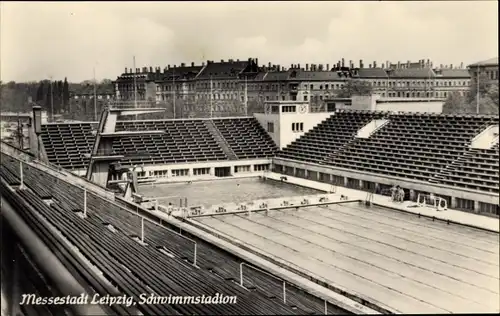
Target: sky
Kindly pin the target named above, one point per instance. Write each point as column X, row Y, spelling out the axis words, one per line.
column 39, row 40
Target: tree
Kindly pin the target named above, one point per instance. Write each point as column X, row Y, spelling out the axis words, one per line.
column 65, row 89
column 484, row 85
column 40, row 92
column 456, row 103
column 355, row 87
column 488, row 103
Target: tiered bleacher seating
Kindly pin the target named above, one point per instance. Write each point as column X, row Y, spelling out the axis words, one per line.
column 479, row 171
column 183, row 141
column 328, row 137
column 246, row 137
column 415, row 146
column 67, row 144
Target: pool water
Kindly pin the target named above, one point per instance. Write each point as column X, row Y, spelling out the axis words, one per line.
column 222, row 191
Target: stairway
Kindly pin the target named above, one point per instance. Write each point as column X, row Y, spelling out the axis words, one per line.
column 220, row 140
column 444, row 172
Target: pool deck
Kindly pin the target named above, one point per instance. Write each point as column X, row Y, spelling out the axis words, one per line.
column 402, row 263
column 459, row 217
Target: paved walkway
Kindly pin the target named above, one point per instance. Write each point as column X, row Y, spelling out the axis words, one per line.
column 456, row 216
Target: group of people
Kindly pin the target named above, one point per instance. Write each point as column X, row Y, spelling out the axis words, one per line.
column 397, row 194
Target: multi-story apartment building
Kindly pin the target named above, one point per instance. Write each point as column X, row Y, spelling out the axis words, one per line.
column 486, row 69
column 233, row 86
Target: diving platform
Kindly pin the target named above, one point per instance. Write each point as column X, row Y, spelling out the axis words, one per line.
column 102, row 152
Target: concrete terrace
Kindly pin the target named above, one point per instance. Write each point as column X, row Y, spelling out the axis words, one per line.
column 401, row 262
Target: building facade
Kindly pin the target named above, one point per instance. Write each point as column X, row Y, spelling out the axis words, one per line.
column 235, row 86
column 486, row 69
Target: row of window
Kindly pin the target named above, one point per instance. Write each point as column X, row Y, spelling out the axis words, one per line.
column 240, row 169
column 297, row 127
column 307, row 86
column 492, row 75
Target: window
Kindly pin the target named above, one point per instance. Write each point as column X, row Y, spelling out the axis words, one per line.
column 180, row 172
column 261, row 167
column 201, row 171
column 289, row 109
column 270, row 127
column 239, row 169
column 297, row 127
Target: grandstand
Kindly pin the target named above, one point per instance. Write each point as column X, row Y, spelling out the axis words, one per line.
column 171, row 249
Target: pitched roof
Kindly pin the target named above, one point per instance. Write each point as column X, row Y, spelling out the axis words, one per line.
column 228, row 69
column 454, row 73
column 489, row 62
column 318, row 75
column 412, row 73
column 372, row 73
column 276, row 76
column 180, row 73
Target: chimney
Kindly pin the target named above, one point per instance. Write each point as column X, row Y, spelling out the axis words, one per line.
column 321, row 67
column 399, row 65
column 298, row 66
column 327, row 67
column 451, row 66
column 150, row 69
column 408, row 64
column 183, row 65
column 361, row 63
column 440, row 66
column 269, row 65
column 237, row 60
column 375, row 64
column 126, row 69
column 383, row 66
column 343, row 62
column 192, row 64
column 307, row 67
column 370, row 66
column 257, row 61
column 428, row 63
column 222, row 60
column 431, row 65
column 462, row 65
column 202, row 64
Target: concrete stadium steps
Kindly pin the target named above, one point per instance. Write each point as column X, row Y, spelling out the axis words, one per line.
column 477, row 170
column 246, row 137
column 183, row 141
column 369, row 248
column 414, row 146
column 67, row 144
column 220, row 140
column 326, row 138
column 126, row 225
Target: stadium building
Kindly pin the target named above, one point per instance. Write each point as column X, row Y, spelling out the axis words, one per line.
column 298, row 209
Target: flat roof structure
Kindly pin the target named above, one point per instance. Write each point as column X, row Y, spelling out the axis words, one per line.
column 398, row 261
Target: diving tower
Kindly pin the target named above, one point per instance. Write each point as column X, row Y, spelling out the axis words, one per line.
column 102, row 154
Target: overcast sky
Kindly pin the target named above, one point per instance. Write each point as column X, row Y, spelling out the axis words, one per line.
column 39, row 40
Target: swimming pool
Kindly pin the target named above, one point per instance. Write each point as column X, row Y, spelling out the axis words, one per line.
column 207, row 193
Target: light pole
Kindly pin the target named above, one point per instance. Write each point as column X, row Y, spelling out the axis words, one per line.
column 477, row 92
column 95, row 97
column 51, row 100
